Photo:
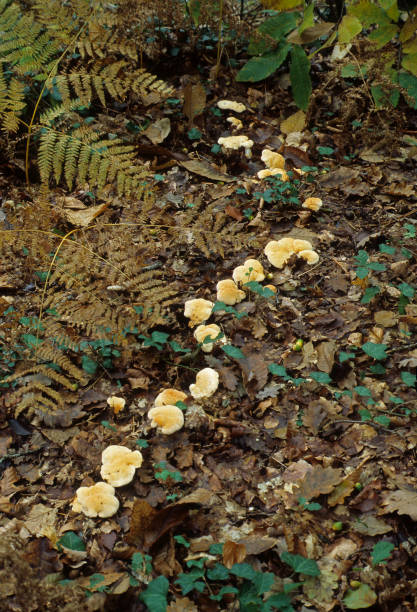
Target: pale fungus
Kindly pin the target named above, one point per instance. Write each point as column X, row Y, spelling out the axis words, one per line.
column 233, row 143
column 229, row 293
column 271, row 288
column 238, row 107
column 272, row 160
column 118, row 464
column 235, row 123
column 251, row 270
column 312, row 204
column 311, row 257
column 169, row 396
column 97, row 500
column 168, row 419
column 273, row 172
column 197, row 310
column 207, row 331
column 278, row 252
column 116, row 403
column 206, row 383
column 302, row 245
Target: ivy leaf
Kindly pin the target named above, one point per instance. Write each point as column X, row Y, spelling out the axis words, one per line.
column 381, row 551
column 363, row 391
column 407, row 290
column 321, row 377
column 233, row 351
column 155, row 595
column 278, row 370
column 346, row 356
column 408, row 378
column 377, row 351
column 72, row 541
column 370, row 293
column 243, row 570
column 300, row 564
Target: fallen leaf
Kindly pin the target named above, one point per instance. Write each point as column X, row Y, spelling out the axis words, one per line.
column 233, row 212
column 158, row 131
column 386, row 318
column 203, row 168
column 319, row 481
column 402, row 501
column 325, row 356
column 194, row 100
column 294, row 123
column 370, row 525
column 79, row 216
column 363, row 597
column 40, row 520
column 233, row 553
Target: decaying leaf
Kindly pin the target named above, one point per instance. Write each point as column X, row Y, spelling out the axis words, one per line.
column 233, row 553
column 402, row 501
column 77, row 213
column 158, row 131
column 203, row 168
column 319, row 481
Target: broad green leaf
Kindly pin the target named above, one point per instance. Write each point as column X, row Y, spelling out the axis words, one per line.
column 381, row 551
column 407, row 290
column 383, row 34
column 233, row 351
column 263, row 581
column 259, row 289
column 345, row 356
column 368, row 13
column 259, row 68
column 279, row 25
column 391, row 8
column 382, row 419
column 72, row 541
column 408, row 378
column 369, row 294
column 321, row 377
column 349, row 27
column 155, row 595
column 278, row 370
column 386, row 248
column 281, row 5
column 224, row 591
column 243, row 570
column 300, row 564
column 410, row 63
column 218, row 572
column 377, row 351
column 300, row 77
column 363, row 597
column 308, row 18
column 88, row 365
column 384, row 99
column 363, row 391
column 409, row 82
column 216, row 549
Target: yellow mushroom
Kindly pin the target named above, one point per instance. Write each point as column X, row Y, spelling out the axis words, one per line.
column 116, row 403
column 169, row 396
column 206, row 383
column 252, row 270
column 312, row 204
column 272, row 159
column 229, row 293
column 273, row 172
column 197, row 310
column 119, row 464
column 97, row 500
column 207, row 331
column 168, row 419
column 311, row 257
column 238, row 107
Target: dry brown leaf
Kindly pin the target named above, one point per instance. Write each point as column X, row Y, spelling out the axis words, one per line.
column 203, row 168
column 254, row 372
column 233, row 212
column 79, row 216
column 7, row 482
column 386, row 318
column 402, row 501
column 325, row 356
column 370, row 525
column 108, row 579
column 158, row 131
column 233, row 553
column 194, row 100
column 319, row 481
column 294, row 123
column 182, row 604
column 41, row 520
column 313, row 417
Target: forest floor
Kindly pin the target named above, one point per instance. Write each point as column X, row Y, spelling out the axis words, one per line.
column 296, row 481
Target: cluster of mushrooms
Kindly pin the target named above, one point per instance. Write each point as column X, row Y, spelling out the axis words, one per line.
column 120, row 463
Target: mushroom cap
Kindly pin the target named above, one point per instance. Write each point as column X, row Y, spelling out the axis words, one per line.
column 279, row 252
column 271, row 287
column 169, row 396
column 116, row 403
column 310, row 256
column 206, row 383
column 119, row 464
column 252, row 270
column 235, row 123
column 302, row 245
column 197, row 310
column 238, row 107
column 272, row 159
column 168, row 418
column 204, row 331
column 97, row 500
column 272, row 172
column 312, row 203
column 228, row 292
column 235, row 142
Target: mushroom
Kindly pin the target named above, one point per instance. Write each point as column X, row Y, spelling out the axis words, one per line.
column 207, row 331
column 310, row 256
column 116, row 403
column 271, row 288
column 168, row 419
column 119, row 464
column 302, row 245
column 197, row 310
column 251, row 270
column 279, row 252
column 273, row 172
column 272, row 159
column 97, row 500
column 238, row 107
column 229, row 293
column 312, row 203
column 235, row 123
column 169, row 396
column 206, row 383
column 233, row 143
